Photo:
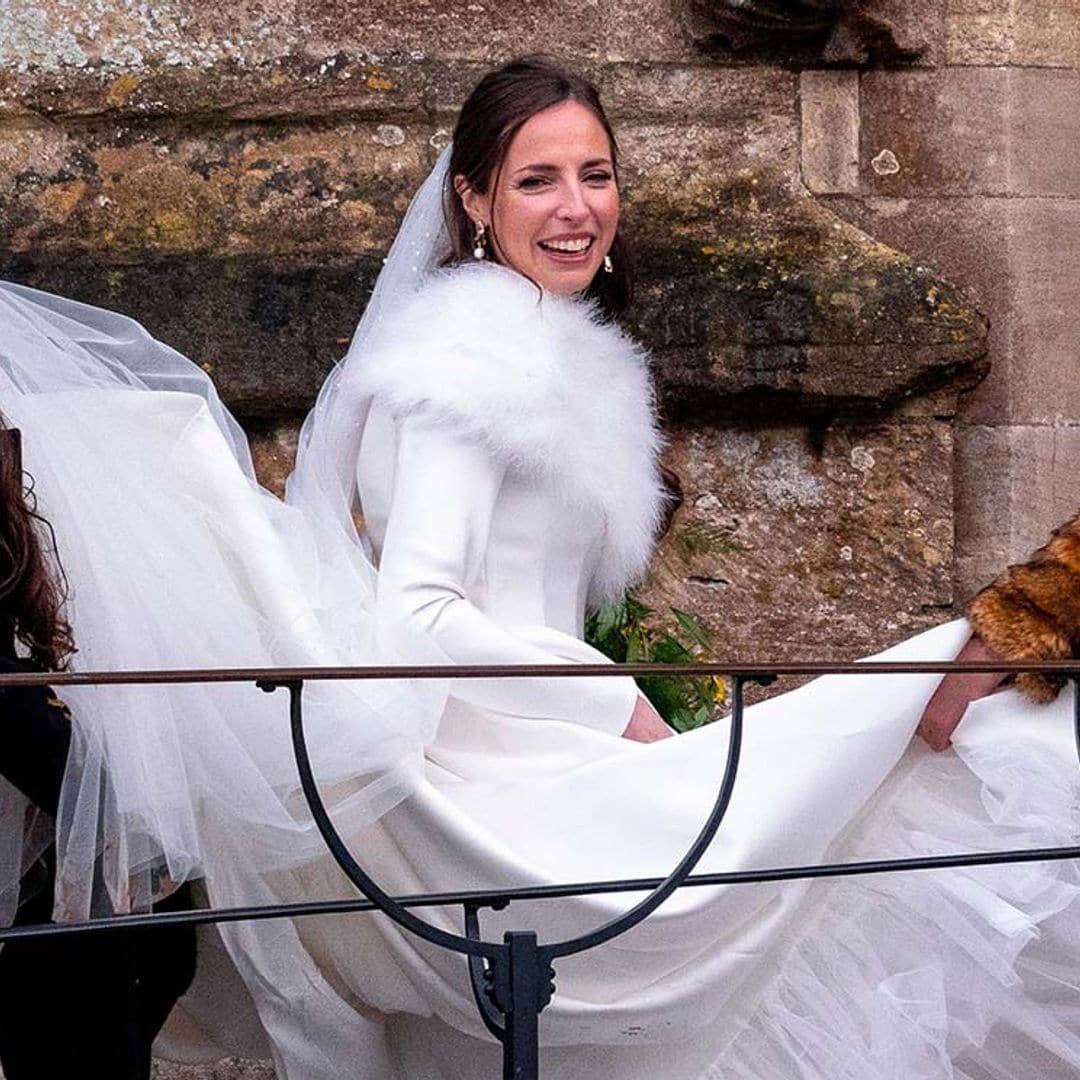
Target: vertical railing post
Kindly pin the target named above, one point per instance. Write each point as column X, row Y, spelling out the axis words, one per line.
column 522, row 988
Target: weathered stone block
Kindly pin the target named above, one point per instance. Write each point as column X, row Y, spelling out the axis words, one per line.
column 122, row 189
column 838, row 31
column 771, row 303
column 830, row 130
column 743, row 99
column 970, row 131
column 117, row 190
column 966, row 241
column 1017, row 466
column 1040, row 33
column 671, row 172
column 821, row 549
column 267, row 332
column 979, row 32
column 652, row 31
column 1046, row 34
column 935, row 132
column 1044, row 240
column 257, row 59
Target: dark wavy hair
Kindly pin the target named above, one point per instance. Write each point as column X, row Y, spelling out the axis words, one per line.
column 502, row 101
column 32, row 592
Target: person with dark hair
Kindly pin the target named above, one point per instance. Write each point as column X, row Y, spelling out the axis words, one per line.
column 496, row 429
column 100, row 1017
column 486, row 133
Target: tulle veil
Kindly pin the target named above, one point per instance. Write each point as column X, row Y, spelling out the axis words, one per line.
column 177, row 559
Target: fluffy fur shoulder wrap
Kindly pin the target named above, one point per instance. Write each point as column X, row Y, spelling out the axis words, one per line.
column 549, row 386
column 1032, row 611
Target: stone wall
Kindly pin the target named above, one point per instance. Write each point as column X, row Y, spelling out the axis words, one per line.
column 969, row 160
column 233, row 176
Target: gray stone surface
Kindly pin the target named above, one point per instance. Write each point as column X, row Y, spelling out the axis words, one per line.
column 1021, row 482
column 947, row 130
column 828, row 546
column 971, row 131
column 1046, row 303
column 830, row 131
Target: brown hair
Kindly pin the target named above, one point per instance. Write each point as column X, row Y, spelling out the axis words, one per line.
column 492, row 115
column 32, row 593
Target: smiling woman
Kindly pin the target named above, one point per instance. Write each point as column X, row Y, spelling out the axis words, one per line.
column 535, row 183
column 552, row 220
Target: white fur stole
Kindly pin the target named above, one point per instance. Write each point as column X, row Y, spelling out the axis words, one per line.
column 547, row 384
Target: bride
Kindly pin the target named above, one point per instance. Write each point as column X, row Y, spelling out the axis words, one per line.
column 497, row 430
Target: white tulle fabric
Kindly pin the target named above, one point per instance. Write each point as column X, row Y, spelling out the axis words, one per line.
column 177, row 560
column 156, row 534
column 323, row 484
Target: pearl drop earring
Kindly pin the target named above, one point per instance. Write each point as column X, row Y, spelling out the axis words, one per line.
column 478, row 250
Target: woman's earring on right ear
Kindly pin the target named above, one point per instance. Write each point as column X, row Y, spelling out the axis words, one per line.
column 608, row 266
column 478, row 251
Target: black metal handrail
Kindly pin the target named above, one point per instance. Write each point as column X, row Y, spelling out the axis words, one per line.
column 750, row 672
column 513, row 980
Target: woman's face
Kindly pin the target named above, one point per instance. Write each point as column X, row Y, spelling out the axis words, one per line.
column 556, row 205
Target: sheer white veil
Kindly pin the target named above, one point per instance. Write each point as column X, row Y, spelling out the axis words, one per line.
column 323, row 484
column 177, row 559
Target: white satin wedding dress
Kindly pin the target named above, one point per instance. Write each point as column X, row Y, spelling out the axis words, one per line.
column 493, row 474
column 504, row 448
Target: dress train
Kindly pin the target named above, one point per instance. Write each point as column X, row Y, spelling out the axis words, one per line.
column 964, row 973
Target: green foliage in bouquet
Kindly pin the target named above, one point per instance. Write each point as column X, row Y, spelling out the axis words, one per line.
column 623, row 632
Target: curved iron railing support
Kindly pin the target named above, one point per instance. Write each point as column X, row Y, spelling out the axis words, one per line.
column 482, row 978
column 344, row 858
column 512, row 981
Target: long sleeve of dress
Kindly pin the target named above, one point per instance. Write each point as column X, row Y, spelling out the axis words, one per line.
column 445, row 490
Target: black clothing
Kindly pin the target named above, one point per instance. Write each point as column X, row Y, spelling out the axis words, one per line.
column 76, row 1006
column 35, row 734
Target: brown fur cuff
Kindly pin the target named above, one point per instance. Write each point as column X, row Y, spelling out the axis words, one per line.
column 1032, row 611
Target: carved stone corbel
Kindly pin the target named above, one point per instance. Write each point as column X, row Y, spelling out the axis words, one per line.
column 848, row 31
